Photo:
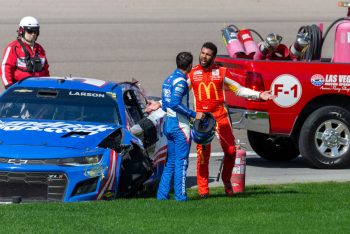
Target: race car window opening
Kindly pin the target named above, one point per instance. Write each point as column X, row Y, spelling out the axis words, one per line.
column 141, row 100
column 69, row 105
column 132, row 107
column 47, row 93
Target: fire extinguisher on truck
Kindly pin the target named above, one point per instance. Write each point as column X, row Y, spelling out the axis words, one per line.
column 306, row 47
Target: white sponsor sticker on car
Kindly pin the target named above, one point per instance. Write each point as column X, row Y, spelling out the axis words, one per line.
column 54, row 127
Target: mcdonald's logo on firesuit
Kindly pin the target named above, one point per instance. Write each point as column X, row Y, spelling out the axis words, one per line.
column 207, row 90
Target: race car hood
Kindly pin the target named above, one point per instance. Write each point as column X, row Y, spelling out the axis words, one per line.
column 54, row 134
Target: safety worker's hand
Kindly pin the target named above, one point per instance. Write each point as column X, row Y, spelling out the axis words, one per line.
column 200, row 115
column 152, row 106
column 266, row 95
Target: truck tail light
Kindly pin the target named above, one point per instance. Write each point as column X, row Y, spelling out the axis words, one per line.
column 254, row 81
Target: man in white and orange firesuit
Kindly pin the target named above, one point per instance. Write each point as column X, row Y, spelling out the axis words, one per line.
column 24, row 57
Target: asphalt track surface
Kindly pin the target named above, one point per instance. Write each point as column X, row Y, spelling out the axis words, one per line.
column 124, row 39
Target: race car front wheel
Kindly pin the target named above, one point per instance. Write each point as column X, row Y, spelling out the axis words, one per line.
column 325, row 138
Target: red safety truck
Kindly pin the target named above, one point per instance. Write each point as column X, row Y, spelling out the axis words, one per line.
column 310, row 115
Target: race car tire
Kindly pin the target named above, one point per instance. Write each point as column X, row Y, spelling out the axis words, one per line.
column 272, row 148
column 324, row 138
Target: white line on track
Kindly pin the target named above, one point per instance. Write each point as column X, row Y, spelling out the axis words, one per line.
column 6, row 203
column 221, row 154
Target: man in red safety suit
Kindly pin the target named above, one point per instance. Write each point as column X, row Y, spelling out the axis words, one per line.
column 207, row 81
column 24, row 57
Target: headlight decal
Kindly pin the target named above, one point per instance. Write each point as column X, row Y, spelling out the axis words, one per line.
column 96, row 171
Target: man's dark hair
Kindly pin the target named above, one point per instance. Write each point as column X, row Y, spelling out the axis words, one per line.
column 211, row 46
column 183, row 60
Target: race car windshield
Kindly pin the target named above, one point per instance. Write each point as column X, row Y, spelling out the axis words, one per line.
column 60, row 104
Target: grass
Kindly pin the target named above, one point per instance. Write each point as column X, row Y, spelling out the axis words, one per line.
column 291, row 208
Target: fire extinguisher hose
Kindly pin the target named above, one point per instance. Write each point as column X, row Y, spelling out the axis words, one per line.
column 315, row 49
column 313, row 52
column 258, row 34
column 251, row 30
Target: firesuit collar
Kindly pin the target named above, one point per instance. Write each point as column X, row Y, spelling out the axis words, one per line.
column 207, row 68
column 183, row 73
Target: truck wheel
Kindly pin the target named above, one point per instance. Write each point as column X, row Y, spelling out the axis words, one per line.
column 324, row 138
column 272, row 148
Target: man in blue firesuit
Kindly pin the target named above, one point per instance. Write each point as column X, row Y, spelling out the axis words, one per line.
column 177, row 128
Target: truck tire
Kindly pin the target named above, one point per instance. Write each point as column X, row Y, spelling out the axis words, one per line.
column 324, row 138
column 272, row 148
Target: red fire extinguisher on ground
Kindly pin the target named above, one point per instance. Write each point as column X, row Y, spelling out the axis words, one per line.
column 238, row 173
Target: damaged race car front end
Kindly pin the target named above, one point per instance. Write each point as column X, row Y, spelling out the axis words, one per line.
column 57, row 144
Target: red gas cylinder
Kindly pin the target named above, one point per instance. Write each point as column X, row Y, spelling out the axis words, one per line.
column 250, row 45
column 233, row 46
column 238, row 173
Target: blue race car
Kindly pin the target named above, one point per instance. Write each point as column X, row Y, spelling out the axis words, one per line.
column 77, row 139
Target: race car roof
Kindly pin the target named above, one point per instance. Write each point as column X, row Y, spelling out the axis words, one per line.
column 79, row 83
